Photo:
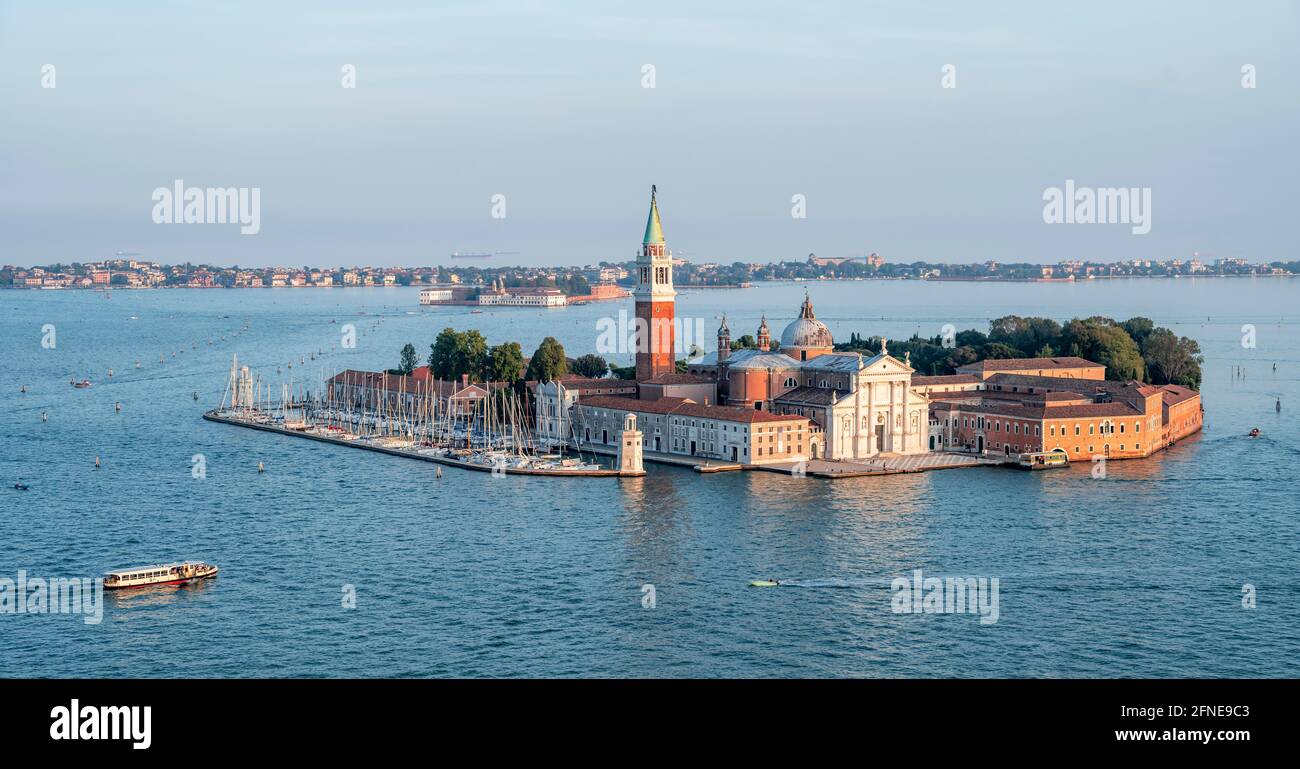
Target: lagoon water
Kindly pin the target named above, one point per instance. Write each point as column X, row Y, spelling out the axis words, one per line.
column 1137, row 574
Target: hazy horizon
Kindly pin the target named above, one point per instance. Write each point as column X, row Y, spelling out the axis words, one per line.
column 753, row 103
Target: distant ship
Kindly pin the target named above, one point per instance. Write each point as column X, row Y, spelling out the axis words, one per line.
column 470, row 254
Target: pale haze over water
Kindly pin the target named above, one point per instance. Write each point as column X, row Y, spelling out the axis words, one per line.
column 1139, row 574
column 753, row 103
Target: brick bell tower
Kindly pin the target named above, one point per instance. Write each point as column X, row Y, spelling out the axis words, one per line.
column 655, row 303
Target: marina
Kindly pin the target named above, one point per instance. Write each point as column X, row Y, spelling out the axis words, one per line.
column 487, row 434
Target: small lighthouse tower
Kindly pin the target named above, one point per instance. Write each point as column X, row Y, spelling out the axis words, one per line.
column 629, row 447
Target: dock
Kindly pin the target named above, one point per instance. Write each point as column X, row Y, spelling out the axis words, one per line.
column 885, row 464
column 214, row 416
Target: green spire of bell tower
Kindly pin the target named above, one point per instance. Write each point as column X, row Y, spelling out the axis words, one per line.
column 654, row 230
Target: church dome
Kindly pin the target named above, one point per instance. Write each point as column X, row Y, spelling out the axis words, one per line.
column 807, row 331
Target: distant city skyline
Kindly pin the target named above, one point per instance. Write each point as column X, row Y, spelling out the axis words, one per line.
column 752, row 105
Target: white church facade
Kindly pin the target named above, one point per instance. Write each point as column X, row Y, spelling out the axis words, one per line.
column 863, row 407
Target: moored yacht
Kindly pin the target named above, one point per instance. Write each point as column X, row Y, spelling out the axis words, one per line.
column 163, row 574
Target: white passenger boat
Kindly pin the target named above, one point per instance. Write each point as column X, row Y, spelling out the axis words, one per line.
column 162, row 574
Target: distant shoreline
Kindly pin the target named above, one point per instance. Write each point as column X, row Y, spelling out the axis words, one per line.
column 587, row 298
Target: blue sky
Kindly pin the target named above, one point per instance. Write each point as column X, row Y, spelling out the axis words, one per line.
column 754, row 102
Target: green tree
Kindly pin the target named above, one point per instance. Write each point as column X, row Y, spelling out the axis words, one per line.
column 505, row 362
column 454, row 353
column 1100, row 339
column 970, row 338
column 590, row 365
column 1139, row 328
column 999, row 351
column 961, row 356
column 548, row 362
column 1025, row 335
column 410, row 359
column 1172, row 360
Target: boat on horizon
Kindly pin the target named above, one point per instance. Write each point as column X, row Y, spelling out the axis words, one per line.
column 161, row 574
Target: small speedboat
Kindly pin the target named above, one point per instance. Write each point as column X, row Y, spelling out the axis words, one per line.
column 1254, row 433
column 765, row 583
column 21, row 486
column 83, row 384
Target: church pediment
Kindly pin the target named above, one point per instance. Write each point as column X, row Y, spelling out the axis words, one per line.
column 886, row 364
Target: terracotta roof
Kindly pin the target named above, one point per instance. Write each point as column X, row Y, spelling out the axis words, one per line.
column 922, row 381
column 811, row 396
column 1060, row 384
column 1026, row 364
column 674, row 378
column 1063, row 395
column 1174, row 394
column 687, row 407
column 583, row 385
column 1113, row 409
column 1040, row 411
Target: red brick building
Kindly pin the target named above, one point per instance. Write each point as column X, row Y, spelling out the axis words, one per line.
column 1067, row 366
column 682, row 427
column 1010, row 414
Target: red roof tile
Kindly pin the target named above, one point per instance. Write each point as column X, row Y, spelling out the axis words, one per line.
column 686, row 407
column 1025, row 364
